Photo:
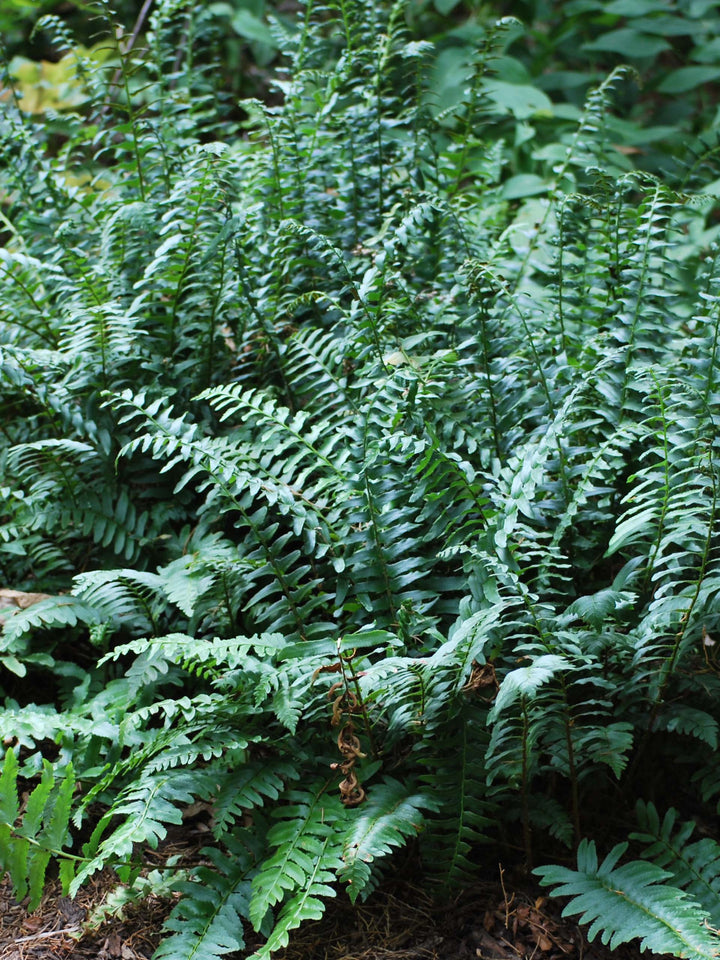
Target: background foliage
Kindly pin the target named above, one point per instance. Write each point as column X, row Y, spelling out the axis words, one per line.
column 360, row 455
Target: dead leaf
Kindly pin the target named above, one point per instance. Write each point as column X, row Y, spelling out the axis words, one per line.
column 16, row 598
column 489, row 948
column 112, row 947
column 480, row 678
column 626, row 149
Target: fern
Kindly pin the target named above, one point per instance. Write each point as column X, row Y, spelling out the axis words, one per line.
column 307, row 903
column 694, row 867
column 207, row 922
column 302, row 834
column 29, row 841
column 390, row 816
column 456, row 779
column 629, row 901
column 331, row 447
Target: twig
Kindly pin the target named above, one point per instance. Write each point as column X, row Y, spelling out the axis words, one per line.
column 46, row 934
column 505, row 897
column 138, row 24
column 133, row 37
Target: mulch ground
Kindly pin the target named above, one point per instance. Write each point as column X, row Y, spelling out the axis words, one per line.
column 491, row 921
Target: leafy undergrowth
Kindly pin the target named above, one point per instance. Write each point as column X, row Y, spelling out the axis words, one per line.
column 354, row 490
column 500, row 919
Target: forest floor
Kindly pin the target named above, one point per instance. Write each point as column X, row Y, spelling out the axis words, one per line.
column 503, row 919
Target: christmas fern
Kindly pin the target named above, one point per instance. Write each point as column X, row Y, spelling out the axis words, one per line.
column 354, row 486
column 31, row 837
column 632, row 900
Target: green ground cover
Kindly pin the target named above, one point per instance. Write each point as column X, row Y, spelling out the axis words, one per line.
column 358, row 471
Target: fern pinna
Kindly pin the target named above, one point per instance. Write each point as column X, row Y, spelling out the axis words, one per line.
column 373, row 503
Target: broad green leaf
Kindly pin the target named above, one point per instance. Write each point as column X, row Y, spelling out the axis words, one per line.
column 668, row 26
column 707, row 52
column 628, row 43
column 635, row 8
column 246, row 25
column 521, row 100
column 524, row 185
column 688, row 78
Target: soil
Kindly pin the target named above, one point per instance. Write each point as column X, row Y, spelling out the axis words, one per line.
column 495, row 920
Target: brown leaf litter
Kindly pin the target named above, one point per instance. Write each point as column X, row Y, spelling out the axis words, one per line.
column 490, row 921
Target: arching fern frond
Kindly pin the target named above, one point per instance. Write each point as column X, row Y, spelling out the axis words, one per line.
column 207, row 923
column 308, row 838
column 629, row 901
column 392, row 813
column 694, row 867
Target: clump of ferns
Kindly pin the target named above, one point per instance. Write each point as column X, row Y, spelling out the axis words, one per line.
column 487, row 465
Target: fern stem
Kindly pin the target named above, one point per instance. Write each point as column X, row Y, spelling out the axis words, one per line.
column 665, row 493
column 590, row 116
column 299, row 53
column 539, row 367
column 12, row 229
column 8, row 83
column 47, row 335
column 484, row 344
column 374, row 519
column 561, row 276
column 228, row 604
column 211, row 320
column 141, row 17
column 669, row 666
column 265, row 326
column 524, row 789
column 128, row 98
column 470, row 118
column 574, row 793
column 640, row 283
column 713, row 359
column 346, row 24
column 355, row 207
column 192, row 232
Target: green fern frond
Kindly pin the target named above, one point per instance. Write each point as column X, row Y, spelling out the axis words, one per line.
column 251, row 785
column 207, row 923
column 308, row 838
column 146, row 807
column 632, row 901
column 121, row 594
column 28, row 844
column 689, row 721
column 391, row 814
column 694, row 867
column 456, row 780
column 62, row 611
column 308, row 903
column 525, row 681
